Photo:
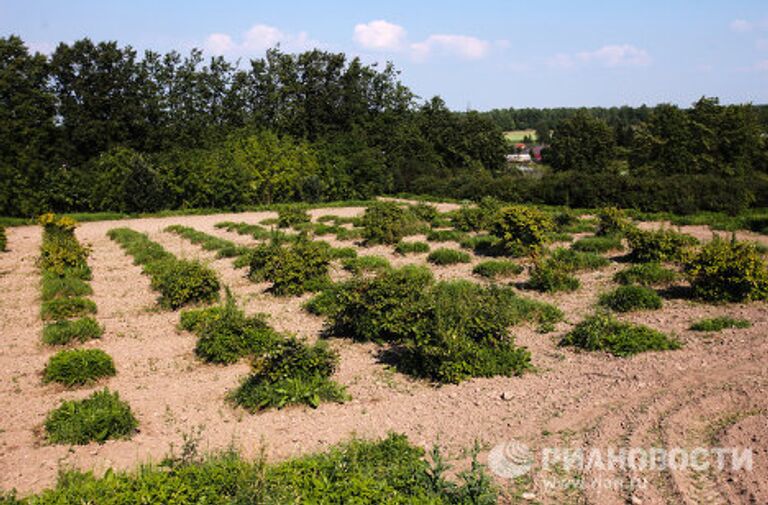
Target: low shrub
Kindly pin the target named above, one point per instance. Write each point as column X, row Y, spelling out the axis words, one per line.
column 728, row 271
column 56, row 286
column 77, row 367
column 646, row 274
column 100, row 417
column 65, row 308
column 424, row 212
column 485, row 245
column 658, row 245
column 446, row 236
column 62, row 253
column 322, row 229
column 254, row 230
column 403, row 248
column 444, row 256
column 293, row 373
column 292, row 215
column 270, row 221
column 565, row 219
column 347, row 234
column 559, row 236
column 293, row 269
column 522, row 230
column 576, row 261
column 384, row 223
column 181, row 282
column 601, row 244
column 551, row 276
column 611, row 221
column 603, row 332
column 629, row 298
column 78, row 330
column 720, row 324
column 3, row 239
column 223, row 248
column 342, row 252
column 362, row 264
column 493, row 269
column 476, row 217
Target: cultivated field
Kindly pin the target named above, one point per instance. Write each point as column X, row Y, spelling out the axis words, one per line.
column 713, row 391
column 519, row 135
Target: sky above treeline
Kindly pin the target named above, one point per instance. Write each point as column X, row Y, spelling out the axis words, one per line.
column 477, row 55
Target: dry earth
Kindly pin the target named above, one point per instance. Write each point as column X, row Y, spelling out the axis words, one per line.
column 713, row 392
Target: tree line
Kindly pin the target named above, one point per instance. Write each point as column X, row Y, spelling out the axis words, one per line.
column 96, row 126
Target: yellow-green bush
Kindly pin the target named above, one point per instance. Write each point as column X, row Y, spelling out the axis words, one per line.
column 522, row 230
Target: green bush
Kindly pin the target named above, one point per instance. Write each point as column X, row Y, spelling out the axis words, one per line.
column 56, row 286
column 292, row 269
column 576, row 261
column 424, row 212
column 444, row 256
column 77, row 367
column 254, row 230
column 181, row 282
column 659, row 245
column 603, row 332
column 65, row 308
column 61, row 252
column 446, row 236
column 728, row 271
column 485, row 245
column 65, row 332
column 476, row 217
column 601, row 244
column 346, row 234
column 493, row 269
column 559, row 236
column 292, row 373
column 223, row 248
column 342, row 252
column 384, row 223
column 100, row 417
column 522, row 230
column 292, row 215
column 720, row 324
column 646, row 274
column 629, row 298
column 611, row 221
column 366, row 264
column 551, row 276
column 403, row 248
column 3, row 239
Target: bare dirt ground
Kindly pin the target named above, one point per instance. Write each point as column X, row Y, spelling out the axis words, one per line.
column 713, row 392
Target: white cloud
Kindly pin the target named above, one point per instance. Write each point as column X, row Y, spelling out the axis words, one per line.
column 561, row 60
column 463, row 46
column 761, row 66
column 41, row 47
column 380, row 35
column 625, row 55
column 256, row 40
column 740, row 25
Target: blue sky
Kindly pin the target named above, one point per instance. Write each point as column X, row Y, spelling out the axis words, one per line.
column 481, row 54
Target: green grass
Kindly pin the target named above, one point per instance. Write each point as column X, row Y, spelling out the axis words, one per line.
column 66, row 308
column 446, row 236
column 56, row 286
column 551, row 276
column 577, row 261
column 403, row 248
column 100, row 417
column 603, row 332
column 362, row 264
column 66, row 332
column 77, row 367
column 517, row 136
column 630, row 298
column 646, row 274
column 223, row 248
column 254, row 230
column 444, row 256
column 720, row 324
column 493, row 269
column 602, row 244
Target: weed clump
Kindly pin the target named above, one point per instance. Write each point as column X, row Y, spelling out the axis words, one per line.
column 223, row 248
column 646, row 274
column 446, row 236
column 629, row 298
column 292, row 215
column 68, row 331
column 403, row 248
column 720, row 324
column 603, row 332
column 493, row 269
column 601, row 244
column 444, row 256
column 77, row 367
column 65, row 308
column 100, row 417
column 362, row 264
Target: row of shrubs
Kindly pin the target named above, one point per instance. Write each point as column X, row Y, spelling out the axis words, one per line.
column 179, row 282
column 285, row 370
column 223, row 248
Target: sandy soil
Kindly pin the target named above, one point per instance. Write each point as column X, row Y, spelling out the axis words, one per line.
column 712, row 392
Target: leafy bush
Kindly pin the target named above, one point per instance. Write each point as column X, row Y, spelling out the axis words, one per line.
column 611, row 221
column 294, row 269
column 62, row 253
column 646, row 274
column 65, row 308
column 720, row 324
column 576, row 261
column 3, row 239
column 403, row 248
column 492, row 269
column 601, row 244
column 424, row 212
column 366, row 264
column 485, row 245
column 552, row 276
column 444, row 256
column 628, row 298
column 522, row 230
column 292, row 215
column 292, row 373
column 603, row 332
column 446, row 236
column 384, row 223
column 181, row 282
column 223, row 248
column 476, row 217
column 100, row 417
column 659, row 245
column 342, row 252
column 56, row 286
column 254, row 230
column 77, row 367
column 728, row 271
column 559, row 236
column 65, row 332
column 346, row 234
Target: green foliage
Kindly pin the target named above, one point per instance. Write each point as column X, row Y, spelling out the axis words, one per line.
column 582, row 143
column 292, row 215
column 385, row 223
column 521, row 229
column 402, row 248
column 56, row 286
column 61, row 253
column 728, row 271
column 223, row 248
column 126, row 181
column 293, row 269
column 366, row 264
column 444, row 256
column 611, row 222
column 629, row 298
column 476, row 217
column 291, row 373
column 424, row 212
column 493, row 269
column 3, row 240
column 77, row 367
column 601, row 244
column 658, row 245
column 552, row 276
column 646, row 274
column 603, row 332
column 254, row 230
column 720, row 324
column 559, row 236
column 342, row 252
column 446, row 236
column 65, row 308
column 347, row 234
column 65, row 332
column 100, row 417
column 576, row 261
column 485, row 245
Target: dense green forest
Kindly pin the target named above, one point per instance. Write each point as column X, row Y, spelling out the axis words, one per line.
column 96, row 126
